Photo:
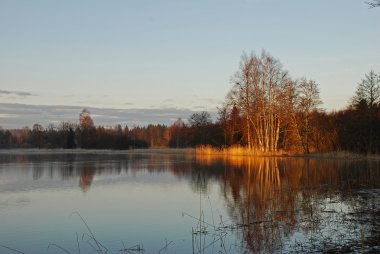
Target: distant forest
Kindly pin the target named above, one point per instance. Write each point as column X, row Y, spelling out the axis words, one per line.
column 265, row 110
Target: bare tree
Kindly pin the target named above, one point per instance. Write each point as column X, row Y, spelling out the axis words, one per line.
column 368, row 91
column 229, row 118
column 199, row 128
column 241, row 94
column 367, row 102
column 260, row 91
column 200, row 119
column 37, row 135
column 223, row 118
column 176, row 134
column 307, row 103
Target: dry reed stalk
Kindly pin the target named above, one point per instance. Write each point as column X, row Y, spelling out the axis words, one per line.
column 244, row 151
column 9, row 248
column 235, row 151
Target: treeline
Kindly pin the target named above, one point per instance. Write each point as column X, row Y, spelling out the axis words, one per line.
column 199, row 131
column 265, row 110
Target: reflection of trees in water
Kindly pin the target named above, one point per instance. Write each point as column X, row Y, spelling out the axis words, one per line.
column 71, row 166
column 256, row 202
column 37, row 171
column 86, row 177
column 67, row 166
column 270, row 199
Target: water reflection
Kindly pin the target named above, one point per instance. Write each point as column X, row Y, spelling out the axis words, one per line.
column 86, row 177
column 328, row 204
column 274, row 204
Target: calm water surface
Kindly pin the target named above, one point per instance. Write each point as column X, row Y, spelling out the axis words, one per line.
column 161, row 203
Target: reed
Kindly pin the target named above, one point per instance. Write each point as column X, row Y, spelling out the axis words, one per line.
column 235, row 151
column 58, row 247
column 245, row 151
column 99, row 248
column 9, row 248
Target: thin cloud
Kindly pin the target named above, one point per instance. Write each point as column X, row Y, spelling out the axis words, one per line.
column 18, row 93
column 20, row 115
column 211, row 100
column 8, row 116
column 199, row 107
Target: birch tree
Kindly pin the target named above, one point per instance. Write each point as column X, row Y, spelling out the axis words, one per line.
column 260, row 91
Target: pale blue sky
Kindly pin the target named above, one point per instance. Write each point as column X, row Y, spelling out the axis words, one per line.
column 176, row 54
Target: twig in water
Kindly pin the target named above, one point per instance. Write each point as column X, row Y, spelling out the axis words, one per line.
column 138, row 248
column 59, row 247
column 123, row 247
column 212, row 212
column 210, row 244
column 166, row 245
column 95, row 249
column 197, row 219
column 78, row 242
column 92, row 236
column 98, row 244
column 9, row 248
column 222, row 243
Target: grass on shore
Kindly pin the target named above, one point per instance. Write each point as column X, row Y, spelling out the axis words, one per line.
column 244, row 151
column 235, row 151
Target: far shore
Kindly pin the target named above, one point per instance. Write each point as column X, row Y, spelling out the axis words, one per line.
column 191, row 151
column 98, row 151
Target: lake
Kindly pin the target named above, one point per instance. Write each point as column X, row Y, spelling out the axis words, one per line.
column 156, row 202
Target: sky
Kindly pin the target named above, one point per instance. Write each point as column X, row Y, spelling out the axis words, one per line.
column 170, row 58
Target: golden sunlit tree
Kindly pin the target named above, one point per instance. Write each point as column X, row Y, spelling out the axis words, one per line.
column 85, row 120
column 87, row 130
column 263, row 93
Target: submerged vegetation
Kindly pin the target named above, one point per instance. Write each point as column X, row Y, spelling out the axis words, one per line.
column 265, row 112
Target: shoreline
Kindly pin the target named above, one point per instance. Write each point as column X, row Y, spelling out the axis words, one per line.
column 243, row 152
column 194, row 151
column 11, row 151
